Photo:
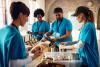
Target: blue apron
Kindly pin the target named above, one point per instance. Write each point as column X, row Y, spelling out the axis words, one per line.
column 11, row 46
column 89, row 53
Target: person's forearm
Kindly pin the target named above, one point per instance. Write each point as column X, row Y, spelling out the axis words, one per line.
column 41, row 33
column 20, row 62
column 63, row 37
column 67, row 35
column 70, row 47
column 78, row 45
column 69, row 42
column 49, row 33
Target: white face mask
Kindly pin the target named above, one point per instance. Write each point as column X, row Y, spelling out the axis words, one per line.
column 56, row 35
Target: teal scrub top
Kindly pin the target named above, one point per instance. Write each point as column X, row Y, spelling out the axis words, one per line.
column 89, row 53
column 61, row 28
column 11, row 45
column 42, row 26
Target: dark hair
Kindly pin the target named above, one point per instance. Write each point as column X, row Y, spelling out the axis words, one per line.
column 58, row 9
column 81, row 9
column 91, row 16
column 18, row 7
column 86, row 11
column 38, row 12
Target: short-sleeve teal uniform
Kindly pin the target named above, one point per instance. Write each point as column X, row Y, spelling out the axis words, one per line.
column 11, row 45
column 61, row 28
column 38, row 26
column 89, row 53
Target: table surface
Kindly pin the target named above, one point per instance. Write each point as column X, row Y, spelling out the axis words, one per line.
column 36, row 61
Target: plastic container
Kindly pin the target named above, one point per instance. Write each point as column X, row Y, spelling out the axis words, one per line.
column 69, row 59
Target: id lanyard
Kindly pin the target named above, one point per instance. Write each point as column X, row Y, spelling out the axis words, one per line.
column 39, row 25
column 58, row 25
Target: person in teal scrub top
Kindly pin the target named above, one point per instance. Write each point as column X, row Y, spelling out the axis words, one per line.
column 39, row 27
column 61, row 28
column 87, row 42
column 12, row 47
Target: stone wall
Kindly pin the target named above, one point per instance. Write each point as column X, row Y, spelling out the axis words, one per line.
column 68, row 6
